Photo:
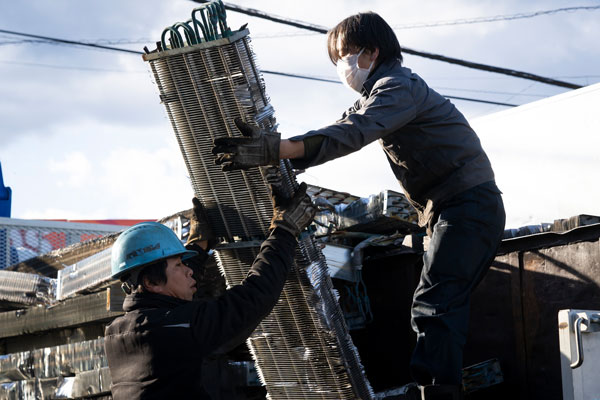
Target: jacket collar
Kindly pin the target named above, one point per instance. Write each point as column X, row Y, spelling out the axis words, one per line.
column 379, row 72
column 137, row 301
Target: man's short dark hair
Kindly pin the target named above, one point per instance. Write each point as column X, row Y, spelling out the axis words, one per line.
column 364, row 30
column 155, row 273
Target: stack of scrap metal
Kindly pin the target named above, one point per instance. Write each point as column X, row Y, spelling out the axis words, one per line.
column 302, row 349
column 66, row 371
column 84, row 275
column 80, row 268
column 21, row 289
column 49, row 326
column 559, row 225
column 383, row 213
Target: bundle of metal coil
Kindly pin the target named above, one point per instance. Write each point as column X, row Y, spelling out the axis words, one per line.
column 302, row 349
column 85, row 274
column 20, row 288
column 49, row 362
column 76, row 370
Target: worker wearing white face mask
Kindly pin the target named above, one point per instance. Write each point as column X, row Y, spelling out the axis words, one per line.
column 439, row 162
column 350, row 73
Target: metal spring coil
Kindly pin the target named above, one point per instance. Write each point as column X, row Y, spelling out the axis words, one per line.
column 200, row 91
column 302, row 349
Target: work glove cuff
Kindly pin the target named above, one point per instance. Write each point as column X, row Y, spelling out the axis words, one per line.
column 292, row 215
column 272, row 141
column 199, row 227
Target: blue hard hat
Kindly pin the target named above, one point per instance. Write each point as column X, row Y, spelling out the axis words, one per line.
column 142, row 244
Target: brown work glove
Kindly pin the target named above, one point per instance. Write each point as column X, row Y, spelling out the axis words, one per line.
column 258, row 147
column 200, row 230
column 292, row 214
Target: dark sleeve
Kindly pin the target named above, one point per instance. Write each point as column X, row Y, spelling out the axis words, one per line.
column 217, row 322
column 389, row 106
column 312, row 144
column 197, row 262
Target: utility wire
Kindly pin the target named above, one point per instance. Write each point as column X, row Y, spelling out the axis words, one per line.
column 469, row 64
column 312, row 78
column 71, row 42
column 489, row 91
column 69, row 67
column 495, row 18
column 263, row 71
column 462, row 21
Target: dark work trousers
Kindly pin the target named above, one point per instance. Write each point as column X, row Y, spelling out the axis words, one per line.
column 464, row 240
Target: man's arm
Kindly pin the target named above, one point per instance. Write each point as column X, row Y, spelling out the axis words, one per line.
column 291, row 149
column 389, row 107
column 235, row 314
column 241, row 308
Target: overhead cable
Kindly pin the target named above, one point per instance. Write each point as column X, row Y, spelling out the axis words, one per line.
column 313, row 78
column 469, row 64
column 461, row 21
column 70, row 42
column 495, row 18
column 69, row 67
column 263, row 71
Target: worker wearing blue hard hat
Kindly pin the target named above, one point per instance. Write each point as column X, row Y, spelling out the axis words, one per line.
column 156, row 349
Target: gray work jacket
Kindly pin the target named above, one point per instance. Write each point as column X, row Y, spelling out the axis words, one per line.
column 431, row 148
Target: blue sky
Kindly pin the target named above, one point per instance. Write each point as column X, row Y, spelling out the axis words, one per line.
column 84, row 136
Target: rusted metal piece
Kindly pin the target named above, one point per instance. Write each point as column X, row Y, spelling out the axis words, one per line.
column 550, row 239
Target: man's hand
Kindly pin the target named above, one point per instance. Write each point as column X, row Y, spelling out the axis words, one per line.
column 200, row 232
column 257, row 148
column 292, row 214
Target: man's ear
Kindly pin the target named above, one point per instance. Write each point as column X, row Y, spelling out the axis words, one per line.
column 151, row 287
column 374, row 54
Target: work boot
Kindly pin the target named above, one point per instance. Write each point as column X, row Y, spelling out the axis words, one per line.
column 441, row 392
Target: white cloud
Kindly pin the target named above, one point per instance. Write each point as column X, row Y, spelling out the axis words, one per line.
column 148, row 184
column 62, row 213
column 108, row 129
column 74, row 170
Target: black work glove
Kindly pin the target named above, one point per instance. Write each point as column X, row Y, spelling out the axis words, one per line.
column 292, row 214
column 258, row 147
column 200, row 230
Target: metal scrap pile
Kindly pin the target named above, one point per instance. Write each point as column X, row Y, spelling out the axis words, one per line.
column 52, row 325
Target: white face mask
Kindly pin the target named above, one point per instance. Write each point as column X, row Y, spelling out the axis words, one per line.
column 350, row 73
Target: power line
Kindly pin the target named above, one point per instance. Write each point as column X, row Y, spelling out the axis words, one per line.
column 290, row 75
column 469, row 64
column 66, row 67
column 70, row 42
column 462, row 21
column 313, row 78
column 490, row 91
column 495, row 18
column 482, row 101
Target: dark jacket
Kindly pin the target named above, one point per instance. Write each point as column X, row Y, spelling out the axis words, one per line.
column 429, row 144
column 155, row 350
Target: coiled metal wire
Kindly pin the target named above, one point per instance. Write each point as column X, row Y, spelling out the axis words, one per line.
column 302, row 349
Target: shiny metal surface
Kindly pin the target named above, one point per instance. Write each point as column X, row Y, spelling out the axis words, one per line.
column 302, row 348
